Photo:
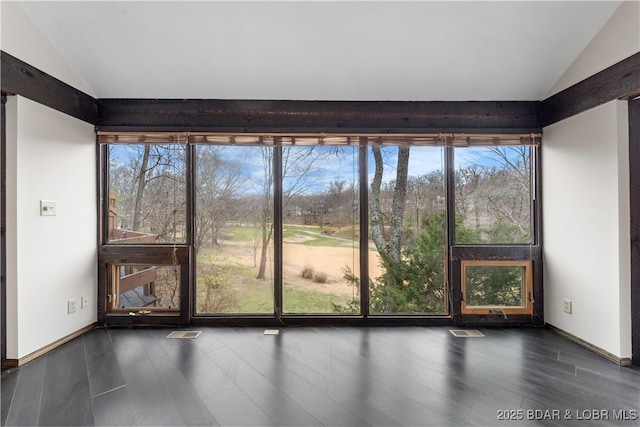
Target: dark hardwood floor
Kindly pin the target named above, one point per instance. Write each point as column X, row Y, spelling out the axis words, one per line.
column 347, row 376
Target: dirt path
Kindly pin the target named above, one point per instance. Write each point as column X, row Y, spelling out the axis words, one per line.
column 328, row 260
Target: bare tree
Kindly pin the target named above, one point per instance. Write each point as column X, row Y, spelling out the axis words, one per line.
column 299, row 165
column 150, row 183
column 497, row 190
column 218, row 181
column 141, row 181
column 393, row 247
column 511, row 188
column 339, row 198
column 266, row 210
column 468, row 179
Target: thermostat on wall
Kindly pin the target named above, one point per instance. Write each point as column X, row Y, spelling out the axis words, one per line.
column 48, row 208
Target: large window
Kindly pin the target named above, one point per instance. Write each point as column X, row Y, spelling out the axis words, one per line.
column 493, row 194
column 407, row 225
column 146, row 205
column 355, row 226
column 234, row 228
column 147, row 192
column 320, row 231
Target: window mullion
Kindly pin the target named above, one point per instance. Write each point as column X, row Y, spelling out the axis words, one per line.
column 453, row 286
column 364, row 227
column 277, row 226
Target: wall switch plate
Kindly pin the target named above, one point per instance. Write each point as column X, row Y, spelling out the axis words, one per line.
column 567, row 306
column 71, row 306
column 48, row 208
column 84, row 301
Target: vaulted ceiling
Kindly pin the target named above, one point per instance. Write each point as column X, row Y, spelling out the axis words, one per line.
column 326, row 50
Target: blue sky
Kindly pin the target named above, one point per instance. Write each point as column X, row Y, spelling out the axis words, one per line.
column 334, row 163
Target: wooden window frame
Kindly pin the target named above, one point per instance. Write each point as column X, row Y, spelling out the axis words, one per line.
column 526, row 308
column 139, row 255
column 456, row 252
column 115, row 289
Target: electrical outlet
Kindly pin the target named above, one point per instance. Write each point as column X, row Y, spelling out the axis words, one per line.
column 84, row 301
column 567, row 306
column 71, row 306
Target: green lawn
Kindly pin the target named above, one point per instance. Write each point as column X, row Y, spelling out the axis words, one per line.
column 315, row 237
column 258, row 299
column 244, row 234
column 301, row 301
column 328, row 236
column 252, row 296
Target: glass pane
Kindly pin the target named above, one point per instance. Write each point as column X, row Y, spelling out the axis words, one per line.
column 493, row 194
column 407, row 225
column 493, row 285
column 147, row 193
column 320, row 229
column 234, row 229
column 146, row 287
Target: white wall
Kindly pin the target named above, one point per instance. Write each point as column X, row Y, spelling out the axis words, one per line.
column 50, row 259
column 586, row 226
column 12, row 227
column 618, row 39
column 21, row 38
column 586, row 213
column 49, row 156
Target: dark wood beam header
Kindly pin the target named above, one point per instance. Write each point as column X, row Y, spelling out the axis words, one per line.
column 211, row 115
column 317, row 116
column 618, row 81
column 19, row 78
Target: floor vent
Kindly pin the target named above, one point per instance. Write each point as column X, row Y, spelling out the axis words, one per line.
column 271, row 331
column 466, row 333
column 184, row 334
